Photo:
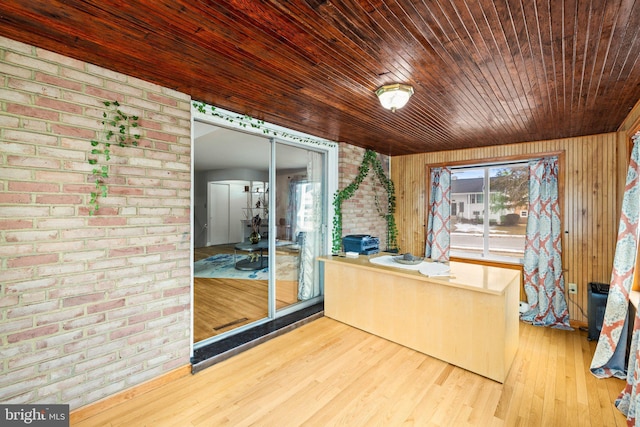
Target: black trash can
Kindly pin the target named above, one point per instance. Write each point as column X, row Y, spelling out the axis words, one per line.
column 597, row 294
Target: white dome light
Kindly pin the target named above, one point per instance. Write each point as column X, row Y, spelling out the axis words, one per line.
column 394, row 96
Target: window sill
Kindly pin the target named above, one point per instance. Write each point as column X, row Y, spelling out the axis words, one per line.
column 515, row 263
column 479, row 259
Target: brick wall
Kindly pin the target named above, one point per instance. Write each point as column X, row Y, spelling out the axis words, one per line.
column 359, row 213
column 90, row 305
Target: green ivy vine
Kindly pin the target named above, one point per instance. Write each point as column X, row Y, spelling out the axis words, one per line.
column 117, row 128
column 248, row 121
column 370, row 160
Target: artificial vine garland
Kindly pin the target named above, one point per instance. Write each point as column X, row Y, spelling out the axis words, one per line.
column 246, row 120
column 370, row 160
column 117, row 129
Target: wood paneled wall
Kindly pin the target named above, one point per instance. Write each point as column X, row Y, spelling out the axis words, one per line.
column 591, row 200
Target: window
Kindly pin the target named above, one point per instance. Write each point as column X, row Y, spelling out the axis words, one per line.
column 476, row 198
column 499, row 197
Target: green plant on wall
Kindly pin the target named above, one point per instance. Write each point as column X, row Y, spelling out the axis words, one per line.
column 117, row 129
column 370, row 160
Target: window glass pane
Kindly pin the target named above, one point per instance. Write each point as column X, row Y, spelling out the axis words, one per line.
column 300, row 184
column 508, row 195
column 466, row 221
column 508, row 200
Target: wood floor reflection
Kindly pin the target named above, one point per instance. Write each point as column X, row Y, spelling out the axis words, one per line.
column 221, row 305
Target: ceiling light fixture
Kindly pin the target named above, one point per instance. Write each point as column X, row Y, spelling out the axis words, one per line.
column 394, row 96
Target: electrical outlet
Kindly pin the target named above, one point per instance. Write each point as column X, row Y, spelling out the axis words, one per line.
column 573, row 288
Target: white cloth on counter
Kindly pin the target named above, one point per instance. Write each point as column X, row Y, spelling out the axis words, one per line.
column 431, row 269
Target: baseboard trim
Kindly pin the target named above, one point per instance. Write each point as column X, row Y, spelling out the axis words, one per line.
column 94, row 408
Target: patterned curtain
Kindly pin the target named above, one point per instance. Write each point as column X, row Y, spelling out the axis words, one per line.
column 543, row 279
column 439, row 223
column 608, row 359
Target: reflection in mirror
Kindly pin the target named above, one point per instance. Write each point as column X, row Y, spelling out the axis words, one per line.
column 233, row 218
column 231, row 174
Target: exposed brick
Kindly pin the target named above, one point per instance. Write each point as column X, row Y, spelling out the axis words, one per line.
column 84, row 77
column 105, row 306
column 27, row 236
column 124, row 332
column 7, row 69
column 102, row 93
column 108, row 264
column 158, row 145
column 160, row 248
column 33, row 187
column 40, row 113
column 59, row 286
column 32, row 333
column 35, row 125
column 59, row 339
column 32, row 260
column 55, row 81
column 162, row 136
column 60, row 269
column 123, row 88
column 39, row 358
column 31, row 62
column 61, row 60
column 30, row 137
column 83, row 299
column 14, row 148
column 58, row 199
column 9, row 300
column 175, row 309
column 82, row 344
column 185, row 290
column 83, row 233
column 60, row 362
column 154, row 123
column 73, row 131
column 33, row 87
column 14, row 198
column 85, row 278
column 144, row 317
column 129, row 191
column 33, row 162
column 27, row 286
column 60, row 316
column 162, row 99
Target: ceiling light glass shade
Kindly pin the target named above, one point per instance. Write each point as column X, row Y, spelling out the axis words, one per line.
column 394, row 96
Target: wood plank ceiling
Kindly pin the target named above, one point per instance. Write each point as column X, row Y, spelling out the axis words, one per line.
column 485, row 72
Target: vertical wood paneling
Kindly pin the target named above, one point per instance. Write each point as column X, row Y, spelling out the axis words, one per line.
column 591, row 198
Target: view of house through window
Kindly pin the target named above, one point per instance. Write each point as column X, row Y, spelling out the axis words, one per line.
column 489, row 211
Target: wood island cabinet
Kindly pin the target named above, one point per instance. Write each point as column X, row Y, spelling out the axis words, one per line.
column 469, row 319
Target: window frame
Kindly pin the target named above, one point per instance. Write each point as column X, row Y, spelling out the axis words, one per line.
column 496, row 161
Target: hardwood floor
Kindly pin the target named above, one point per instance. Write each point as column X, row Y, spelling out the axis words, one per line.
column 326, row 373
column 221, row 305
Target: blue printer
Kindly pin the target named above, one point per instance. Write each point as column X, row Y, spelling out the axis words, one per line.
column 364, row 244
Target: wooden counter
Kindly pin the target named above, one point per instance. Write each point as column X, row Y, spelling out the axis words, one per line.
column 469, row 320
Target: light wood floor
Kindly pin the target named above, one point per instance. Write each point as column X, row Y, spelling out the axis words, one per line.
column 326, row 374
column 221, row 305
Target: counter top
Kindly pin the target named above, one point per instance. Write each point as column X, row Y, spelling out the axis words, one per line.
column 475, row 277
